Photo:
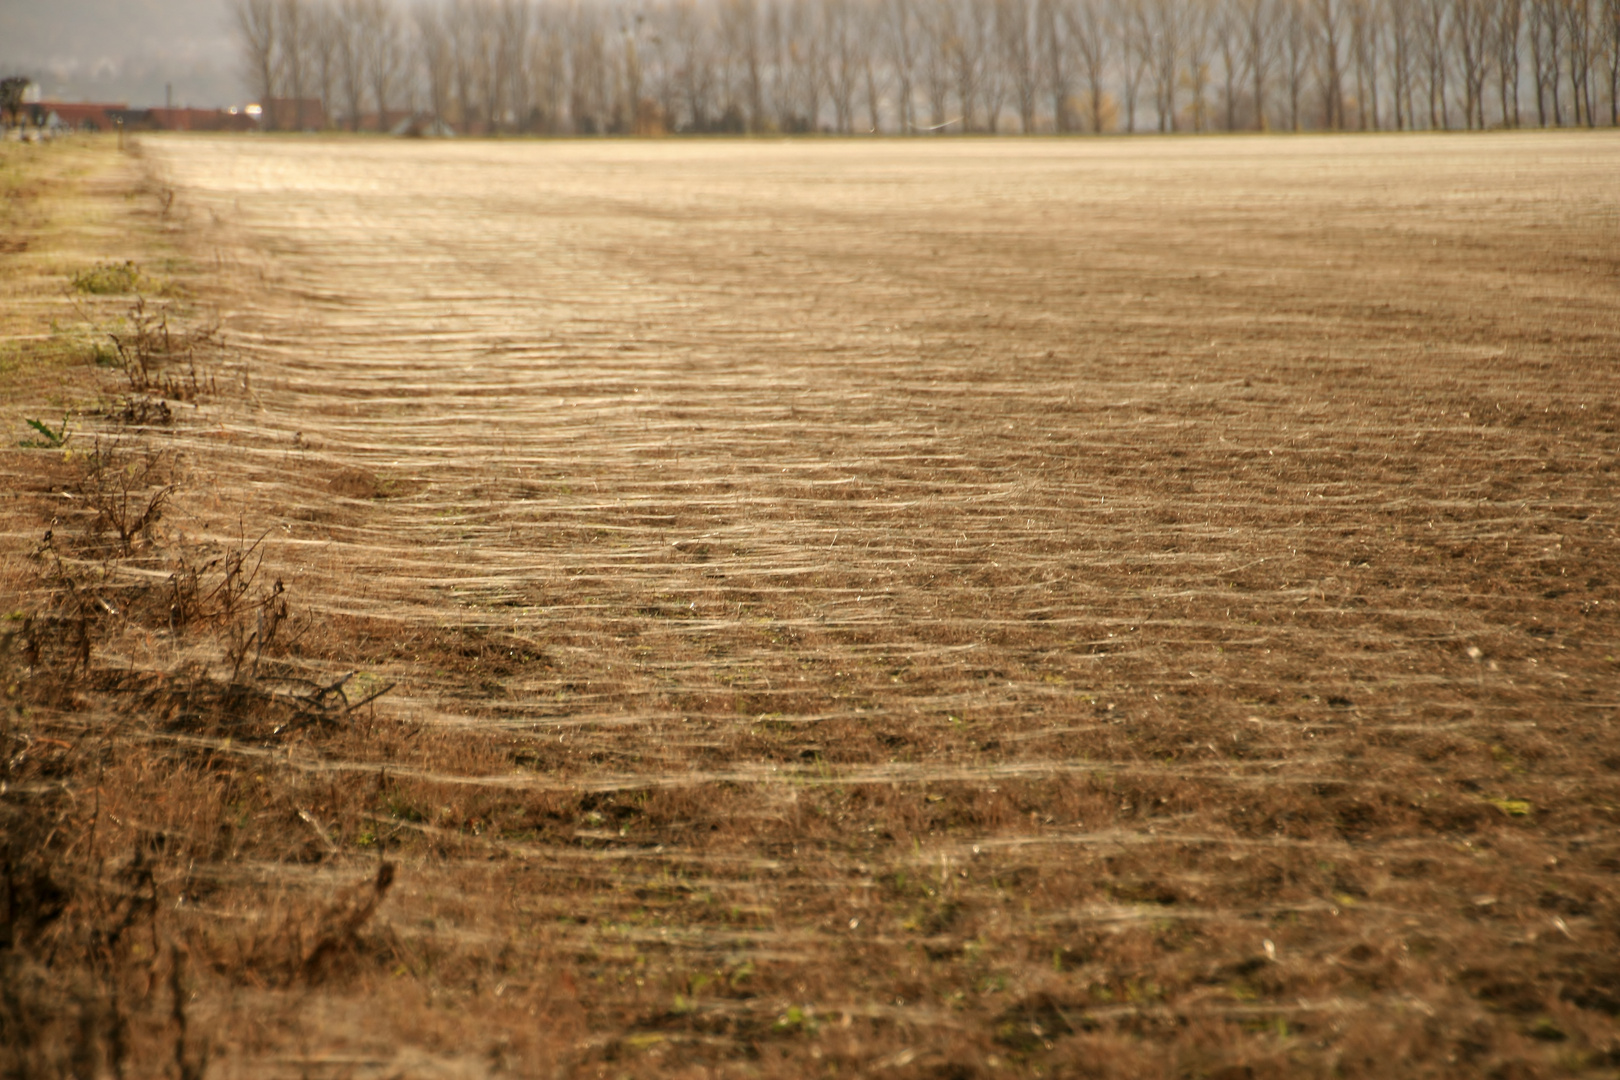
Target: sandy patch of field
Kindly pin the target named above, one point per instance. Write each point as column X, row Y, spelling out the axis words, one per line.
column 1118, row 607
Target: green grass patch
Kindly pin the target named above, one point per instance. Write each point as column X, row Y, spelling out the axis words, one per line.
column 109, row 279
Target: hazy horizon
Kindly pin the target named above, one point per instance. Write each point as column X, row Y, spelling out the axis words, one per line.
column 124, row 50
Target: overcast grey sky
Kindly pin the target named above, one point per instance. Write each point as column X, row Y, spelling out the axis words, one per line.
column 123, row 50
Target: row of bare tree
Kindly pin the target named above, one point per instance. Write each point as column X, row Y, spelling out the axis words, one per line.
column 912, row 66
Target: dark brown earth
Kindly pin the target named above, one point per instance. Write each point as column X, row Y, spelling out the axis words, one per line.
column 1084, row 608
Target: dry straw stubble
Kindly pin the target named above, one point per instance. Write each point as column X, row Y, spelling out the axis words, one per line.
column 880, row 607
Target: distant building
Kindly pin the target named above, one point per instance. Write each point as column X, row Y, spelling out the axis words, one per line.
column 295, row 114
column 80, row 116
column 90, row 116
column 200, row 120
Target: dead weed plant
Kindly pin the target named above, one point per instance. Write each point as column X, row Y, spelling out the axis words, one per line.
column 105, row 807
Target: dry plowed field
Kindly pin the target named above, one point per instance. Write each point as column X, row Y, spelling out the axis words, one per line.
column 963, row 608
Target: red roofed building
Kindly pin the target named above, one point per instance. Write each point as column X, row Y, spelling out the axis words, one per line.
column 89, row 116
column 296, row 114
column 200, row 120
column 83, row 116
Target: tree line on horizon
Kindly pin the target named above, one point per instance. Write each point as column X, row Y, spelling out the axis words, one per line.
column 935, row 66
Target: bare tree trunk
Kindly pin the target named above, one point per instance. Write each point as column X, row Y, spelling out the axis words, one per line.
column 620, row 109
column 1052, row 61
column 292, row 34
column 1089, row 35
column 1433, row 31
column 1398, row 27
column 808, row 59
column 323, row 37
column 256, row 31
column 842, row 62
column 956, row 34
column 899, row 36
column 1610, row 13
column 756, row 93
column 1509, row 17
column 461, row 27
column 874, row 93
column 1127, row 17
column 778, row 88
column 993, row 75
column 485, row 43
column 1196, row 19
column 1611, row 34
column 1534, row 27
column 739, row 31
column 694, row 62
column 1375, row 50
column 351, row 65
column 514, row 28
column 633, row 92
column 548, row 71
column 436, row 60
column 1227, row 37
column 1374, row 30
column 1549, row 65
column 1259, row 47
column 1296, row 56
column 1578, row 28
column 725, row 57
column 1329, row 58
column 659, row 72
column 933, row 38
column 1362, row 46
column 595, row 74
column 967, row 57
column 382, row 55
column 1163, row 32
column 588, row 70
column 869, row 22
column 1014, row 30
column 733, row 65
column 1472, row 22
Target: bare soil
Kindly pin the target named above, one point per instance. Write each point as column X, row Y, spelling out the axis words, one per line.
column 1116, row 608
